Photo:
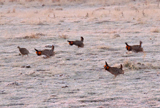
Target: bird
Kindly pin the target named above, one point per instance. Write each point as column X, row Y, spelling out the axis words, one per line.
column 45, row 52
column 23, row 51
column 134, row 48
column 114, row 70
column 78, row 43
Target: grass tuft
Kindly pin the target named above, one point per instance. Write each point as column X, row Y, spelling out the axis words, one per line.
column 33, row 36
column 155, row 30
column 130, row 65
column 63, row 36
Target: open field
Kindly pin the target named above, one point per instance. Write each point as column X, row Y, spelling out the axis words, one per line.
column 75, row 77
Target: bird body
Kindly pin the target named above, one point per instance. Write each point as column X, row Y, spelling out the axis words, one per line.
column 134, row 48
column 45, row 52
column 114, row 70
column 78, row 43
column 23, row 51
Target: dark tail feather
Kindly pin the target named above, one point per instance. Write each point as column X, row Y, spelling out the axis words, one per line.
column 121, row 66
column 140, row 43
column 82, row 39
column 52, row 47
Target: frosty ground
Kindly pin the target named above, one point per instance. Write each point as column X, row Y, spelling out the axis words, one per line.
column 75, row 77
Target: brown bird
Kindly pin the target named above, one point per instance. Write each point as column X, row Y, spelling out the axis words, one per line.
column 45, row 52
column 134, row 48
column 78, row 43
column 114, row 70
column 23, row 51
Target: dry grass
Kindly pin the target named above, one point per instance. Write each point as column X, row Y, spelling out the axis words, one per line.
column 130, row 65
column 137, row 66
column 155, row 30
column 14, row 10
column 33, row 36
column 48, row 15
column 63, row 36
column 103, row 47
column 114, row 36
column 68, row 2
column 140, row 21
